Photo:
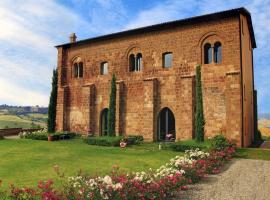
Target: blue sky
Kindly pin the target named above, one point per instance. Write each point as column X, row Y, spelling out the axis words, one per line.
column 31, row 28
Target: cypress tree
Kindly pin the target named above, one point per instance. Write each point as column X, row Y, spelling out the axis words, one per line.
column 52, row 104
column 199, row 117
column 112, row 109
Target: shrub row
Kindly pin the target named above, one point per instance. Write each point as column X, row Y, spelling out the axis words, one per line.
column 113, row 141
column 43, row 135
column 187, row 145
column 218, row 142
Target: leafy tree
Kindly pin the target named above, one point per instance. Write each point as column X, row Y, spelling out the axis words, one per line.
column 199, row 117
column 52, row 104
column 112, row 109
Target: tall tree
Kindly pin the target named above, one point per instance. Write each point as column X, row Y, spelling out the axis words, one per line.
column 199, row 117
column 112, row 109
column 52, row 104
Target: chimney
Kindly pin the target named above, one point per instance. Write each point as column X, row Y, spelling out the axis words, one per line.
column 72, row 38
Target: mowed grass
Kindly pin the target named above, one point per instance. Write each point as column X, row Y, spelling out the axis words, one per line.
column 253, row 153
column 25, row 162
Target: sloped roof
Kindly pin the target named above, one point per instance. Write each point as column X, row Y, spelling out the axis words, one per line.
column 172, row 24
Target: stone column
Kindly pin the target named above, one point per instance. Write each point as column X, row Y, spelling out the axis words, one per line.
column 186, row 119
column 149, row 121
column 88, row 104
column 119, row 108
column 233, row 107
column 61, row 109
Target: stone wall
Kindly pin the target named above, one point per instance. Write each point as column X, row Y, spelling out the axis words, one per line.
column 141, row 95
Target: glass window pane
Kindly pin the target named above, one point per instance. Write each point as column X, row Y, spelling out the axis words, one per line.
column 80, row 69
column 75, row 70
column 207, row 53
column 167, row 60
column 217, row 52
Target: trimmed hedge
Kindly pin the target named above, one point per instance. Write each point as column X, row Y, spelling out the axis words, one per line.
column 43, row 135
column 113, row 141
column 189, row 144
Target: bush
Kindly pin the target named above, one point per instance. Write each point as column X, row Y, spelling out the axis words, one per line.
column 134, row 139
column 63, row 135
column 113, row 141
column 220, row 142
column 189, row 144
column 1, row 137
column 43, row 135
column 36, row 135
column 104, row 141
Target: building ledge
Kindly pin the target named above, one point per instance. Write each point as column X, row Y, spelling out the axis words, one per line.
column 232, row 73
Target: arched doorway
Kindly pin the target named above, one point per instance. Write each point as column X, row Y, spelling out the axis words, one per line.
column 166, row 125
column 104, row 121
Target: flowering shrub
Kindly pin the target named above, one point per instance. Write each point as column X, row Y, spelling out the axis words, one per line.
column 162, row 183
column 36, row 135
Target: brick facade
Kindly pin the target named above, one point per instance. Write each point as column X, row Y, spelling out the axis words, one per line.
column 141, row 95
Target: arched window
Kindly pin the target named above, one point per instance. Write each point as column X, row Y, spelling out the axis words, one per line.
column 217, row 52
column 80, row 72
column 207, row 53
column 131, row 62
column 75, row 70
column 166, row 125
column 104, row 68
column 103, row 123
column 138, row 62
column 78, row 68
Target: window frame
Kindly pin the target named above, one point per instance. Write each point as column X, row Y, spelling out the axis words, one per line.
column 102, row 65
column 164, row 60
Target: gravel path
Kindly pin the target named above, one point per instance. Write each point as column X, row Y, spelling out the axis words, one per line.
column 242, row 179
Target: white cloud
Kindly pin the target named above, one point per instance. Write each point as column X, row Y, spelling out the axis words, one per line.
column 14, row 94
column 30, row 30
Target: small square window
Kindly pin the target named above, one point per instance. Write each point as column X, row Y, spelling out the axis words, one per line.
column 167, row 60
column 104, row 68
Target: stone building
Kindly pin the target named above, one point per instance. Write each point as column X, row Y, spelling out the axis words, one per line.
column 155, row 70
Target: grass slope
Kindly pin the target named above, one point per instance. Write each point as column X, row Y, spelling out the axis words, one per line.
column 22, row 121
column 24, row 162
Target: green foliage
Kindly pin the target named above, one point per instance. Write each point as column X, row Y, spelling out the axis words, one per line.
column 112, row 108
column 258, row 136
column 134, row 139
column 43, row 135
column 219, row 142
column 36, row 135
column 104, row 141
column 1, row 137
column 71, row 156
column 266, row 138
column 52, row 104
column 113, row 141
column 189, row 144
column 199, row 117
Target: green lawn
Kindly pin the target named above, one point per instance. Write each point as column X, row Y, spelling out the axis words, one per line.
column 24, row 162
column 253, row 153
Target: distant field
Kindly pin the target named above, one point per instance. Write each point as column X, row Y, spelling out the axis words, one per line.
column 22, row 121
column 264, row 126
